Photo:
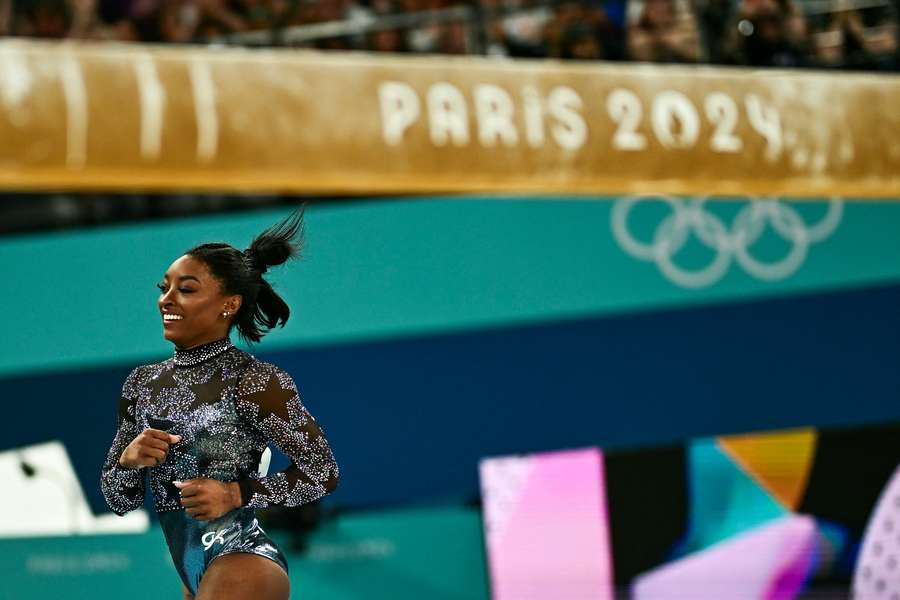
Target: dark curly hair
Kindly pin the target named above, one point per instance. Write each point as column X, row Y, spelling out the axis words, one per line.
column 242, row 273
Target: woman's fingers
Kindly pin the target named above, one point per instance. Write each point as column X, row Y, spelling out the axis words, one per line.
column 151, row 458
column 154, row 453
column 198, row 513
column 191, row 490
column 198, row 501
column 151, row 442
column 156, row 434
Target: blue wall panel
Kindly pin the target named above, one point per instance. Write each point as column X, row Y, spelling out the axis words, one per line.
column 410, row 418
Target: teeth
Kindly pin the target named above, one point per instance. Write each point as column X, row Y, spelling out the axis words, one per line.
column 172, row 317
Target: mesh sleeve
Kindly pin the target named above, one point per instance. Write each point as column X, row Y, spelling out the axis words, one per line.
column 123, row 488
column 268, row 399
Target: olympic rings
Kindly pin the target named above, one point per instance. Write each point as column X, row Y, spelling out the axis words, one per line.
column 690, row 216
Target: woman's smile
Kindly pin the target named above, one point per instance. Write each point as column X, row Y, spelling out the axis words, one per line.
column 171, row 319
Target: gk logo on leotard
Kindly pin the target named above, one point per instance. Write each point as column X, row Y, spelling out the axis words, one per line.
column 211, row 537
column 727, row 243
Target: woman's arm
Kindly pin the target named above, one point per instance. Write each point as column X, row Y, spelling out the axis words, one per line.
column 123, row 488
column 269, row 401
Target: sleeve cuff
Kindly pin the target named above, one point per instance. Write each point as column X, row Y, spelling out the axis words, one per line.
column 130, row 475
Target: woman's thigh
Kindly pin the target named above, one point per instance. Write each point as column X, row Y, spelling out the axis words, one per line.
column 241, row 576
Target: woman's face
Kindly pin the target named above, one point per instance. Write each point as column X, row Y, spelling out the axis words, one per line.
column 191, row 293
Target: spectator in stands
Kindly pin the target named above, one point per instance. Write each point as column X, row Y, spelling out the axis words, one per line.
column 322, row 12
column 517, row 30
column 257, row 14
column 382, row 7
column 55, row 19
column 178, row 21
column 715, row 17
column 6, row 17
column 43, row 19
column 386, row 40
column 454, row 38
column 583, row 30
column 663, row 31
column 580, row 42
column 141, row 15
column 857, row 38
column 767, row 33
column 426, row 38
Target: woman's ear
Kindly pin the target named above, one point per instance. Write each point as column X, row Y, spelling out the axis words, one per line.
column 233, row 303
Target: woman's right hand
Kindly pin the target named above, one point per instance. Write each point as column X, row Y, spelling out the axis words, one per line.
column 149, row 449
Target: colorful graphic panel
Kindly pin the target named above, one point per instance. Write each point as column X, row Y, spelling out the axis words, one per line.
column 764, row 516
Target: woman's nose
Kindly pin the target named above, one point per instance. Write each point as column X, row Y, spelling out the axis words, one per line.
column 165, row 299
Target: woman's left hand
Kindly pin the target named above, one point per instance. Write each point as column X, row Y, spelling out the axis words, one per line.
column 207, row 499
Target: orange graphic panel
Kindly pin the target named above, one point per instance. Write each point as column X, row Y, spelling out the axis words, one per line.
column 779, row 461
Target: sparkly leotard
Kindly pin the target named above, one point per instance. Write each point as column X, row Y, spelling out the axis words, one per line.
column 226, row 405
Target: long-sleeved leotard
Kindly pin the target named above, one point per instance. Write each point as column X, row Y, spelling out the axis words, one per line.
column 226, row 405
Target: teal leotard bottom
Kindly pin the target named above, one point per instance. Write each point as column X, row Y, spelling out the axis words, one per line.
column 195, row 544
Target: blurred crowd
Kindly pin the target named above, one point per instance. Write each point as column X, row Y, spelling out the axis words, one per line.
column 850, row 34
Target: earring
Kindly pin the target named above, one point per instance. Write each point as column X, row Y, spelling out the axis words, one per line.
column 225, row 314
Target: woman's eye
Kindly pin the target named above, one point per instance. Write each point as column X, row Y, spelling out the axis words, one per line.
column 162, row 288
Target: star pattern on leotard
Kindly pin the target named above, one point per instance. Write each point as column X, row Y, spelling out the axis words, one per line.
column 227, row 405
column 268, row 398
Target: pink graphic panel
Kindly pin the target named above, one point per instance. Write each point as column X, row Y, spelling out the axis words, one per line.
column 771, row 562
column 546, row 526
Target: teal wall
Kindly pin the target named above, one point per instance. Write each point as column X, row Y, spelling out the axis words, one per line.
column 387, row 269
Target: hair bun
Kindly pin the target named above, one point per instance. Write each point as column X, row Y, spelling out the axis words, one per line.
column 255, row 260
column 277, row 244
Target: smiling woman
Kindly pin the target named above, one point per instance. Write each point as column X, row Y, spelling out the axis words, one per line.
column 200, row 420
